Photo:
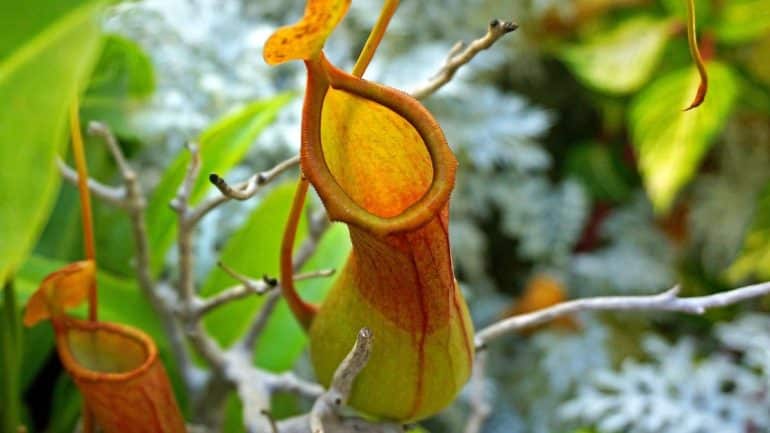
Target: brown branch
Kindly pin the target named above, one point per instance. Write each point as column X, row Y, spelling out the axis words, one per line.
column 459, row 57
column 242, row 190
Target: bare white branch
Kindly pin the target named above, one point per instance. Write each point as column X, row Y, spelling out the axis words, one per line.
column 114, row 196
column 242, row 190
column 668, row 301
column 459, row 57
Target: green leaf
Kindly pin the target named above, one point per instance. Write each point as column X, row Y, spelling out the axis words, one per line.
column 283, row 340
column 222, row 146
column 754, row 258
column 254, row 250
column 65, row 405
column 671, row 142
column 599, row 170
column 47, row 51
column 621, row 60
column 10, row 361
column 678, row 8
column 123, row 77
column 741, row 21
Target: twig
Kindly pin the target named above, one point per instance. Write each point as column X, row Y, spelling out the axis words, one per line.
column 480, row 407
column 134, row 203
column 246, row 190
column 459, row 57
column 114, row 196
column 251, row 336
column 240, row 191
column 249, row 287
column 325, row 413
column 202, row 342
column 666, row 301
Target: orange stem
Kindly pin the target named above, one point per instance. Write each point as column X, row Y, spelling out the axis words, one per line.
column 85, row 201
column 375, row 37
column 692, row 40
column 303, row 311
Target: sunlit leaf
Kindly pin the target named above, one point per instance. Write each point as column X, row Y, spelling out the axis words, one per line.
column 754, row 258
column 670, row 142
column 222, row 146
column 47, row 51
column 740, row 21
column 623, row 59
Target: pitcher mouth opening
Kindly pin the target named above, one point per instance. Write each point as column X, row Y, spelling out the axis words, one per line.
column 435, row 181
column 100, row 351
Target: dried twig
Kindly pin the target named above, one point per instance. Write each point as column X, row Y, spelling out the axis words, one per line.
column 459, row 57
column 240, row 191
column 114, row 196
column 666, row 301
column 130, row 198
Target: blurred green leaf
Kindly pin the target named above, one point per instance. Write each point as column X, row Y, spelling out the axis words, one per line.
column 741, row 21
column 254, row 250
column 47, row 51
column 599, row 170
column 38, row 345
column 623, row 59
column 222, row 146
column 65, row 405
column 754, row 258
column 10, row 360
column 678, row 8
column 671, row 142
column 123, row 77
column 757, row 62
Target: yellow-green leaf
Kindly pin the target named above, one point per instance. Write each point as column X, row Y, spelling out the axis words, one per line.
column 47, row 52
column 670, row 142
column 254, row 250
column 754, row 258
column 621, row 60
column 741, row 21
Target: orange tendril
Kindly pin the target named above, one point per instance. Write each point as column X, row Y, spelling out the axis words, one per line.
column 692, row 40
column 375, row 37
column 79, row 154
column 301, row 309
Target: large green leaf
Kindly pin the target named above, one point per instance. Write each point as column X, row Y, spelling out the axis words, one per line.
column 743, row 20
column 123, row 77
column 623, row 59
column 254, row 250
column 754, row 258
column 670, row 142
column 221, row 147
column 47, row 52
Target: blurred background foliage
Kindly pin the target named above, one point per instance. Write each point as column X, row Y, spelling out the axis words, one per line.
column 580, row 176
